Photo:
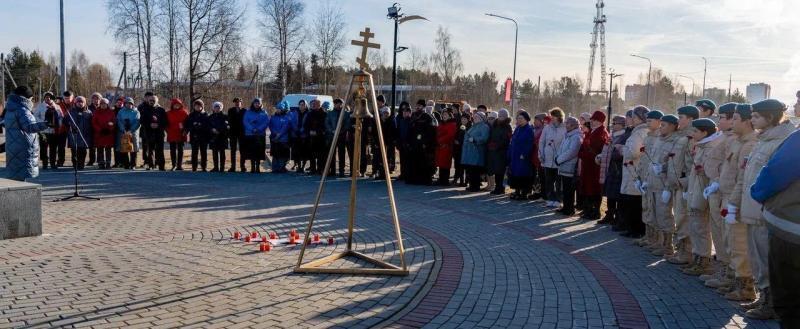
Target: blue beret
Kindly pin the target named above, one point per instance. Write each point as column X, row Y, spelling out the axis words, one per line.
column 704, row 123
column 689, row 111
column 706, row 103
column 745, row 110
column 655, row 115
column 769, row 106
column 671, row 118
column 727, row 108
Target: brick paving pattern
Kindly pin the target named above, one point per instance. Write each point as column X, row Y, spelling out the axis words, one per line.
column 156, row 252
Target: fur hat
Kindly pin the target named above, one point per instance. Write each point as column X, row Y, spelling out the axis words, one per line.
column 598, row 116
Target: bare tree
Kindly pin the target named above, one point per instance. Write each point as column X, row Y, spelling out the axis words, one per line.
column 211, row 27
column 283, row 31
column 135, row 18
column 446, row 59
column 329, row 38
column 170, row 20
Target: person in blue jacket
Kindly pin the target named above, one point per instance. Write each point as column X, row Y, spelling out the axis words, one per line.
column 777, row 187
column 520, row 166
column 280, row 128
column 22, row 138
column 128, row 123
column 473, row 154
column 256, row 122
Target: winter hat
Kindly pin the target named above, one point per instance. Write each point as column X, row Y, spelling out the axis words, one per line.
column 216, row 104
column 503, row 113
column 257, row 99
column 671, row 118
column 327, row 105
column 769, row 106
column 383, row 110
column 129, row 100
column 586, row 116
column 727, row 108
column 421, row 102
column 380, row 98
column 655, row 114
column 48, row 95
column 493, row 115
column 689, row 111
column 541, row 116
column 104, row 101
column 706, row 104
column 466, row 107
column 641, row 112
column 599, row 116
column 283, row 105
column 557, row 113
column 525, row 115
column 481, row 115
column 23, row 91
column 628, row 114
column 199, row 101
column 237, row 99
column 745, row 111
column 618, row 119
column 572, row 120
column 174, row 101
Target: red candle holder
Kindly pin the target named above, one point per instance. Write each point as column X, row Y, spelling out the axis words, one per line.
column 237, row 235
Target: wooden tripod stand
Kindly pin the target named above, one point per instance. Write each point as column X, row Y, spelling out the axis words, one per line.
column 361, row 110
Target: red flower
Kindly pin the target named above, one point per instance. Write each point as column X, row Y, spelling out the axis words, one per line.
column 724, row 212
column 698, row 167
column 630, row 162
column 641, row 149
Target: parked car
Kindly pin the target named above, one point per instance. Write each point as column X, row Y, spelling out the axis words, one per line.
column 293, row 99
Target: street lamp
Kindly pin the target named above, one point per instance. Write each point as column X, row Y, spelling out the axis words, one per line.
column 514, row 73
column 684, row 91
column 705, row 67
column 394, row 14
column 649, row 69
column 612, row 75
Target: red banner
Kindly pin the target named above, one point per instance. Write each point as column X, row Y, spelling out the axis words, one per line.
column 508, row 90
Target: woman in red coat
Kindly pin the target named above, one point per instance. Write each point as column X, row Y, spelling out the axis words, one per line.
column 445, row 135
column 176, row 115
column 104, row 132
column 592, row 146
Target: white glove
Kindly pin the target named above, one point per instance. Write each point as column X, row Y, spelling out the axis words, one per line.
column 730, row 217
column 711, row 189
column 638, row 184
column 665, row 196
column 656, row 168
column 685, row 195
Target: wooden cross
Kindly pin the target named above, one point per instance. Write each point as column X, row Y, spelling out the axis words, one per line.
column 365, row 44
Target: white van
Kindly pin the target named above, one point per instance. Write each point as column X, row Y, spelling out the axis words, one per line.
column 294, row 99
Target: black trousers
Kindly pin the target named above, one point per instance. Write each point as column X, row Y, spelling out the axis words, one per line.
column 784, row 278
column 632, row 213
column 61, row 148
column 104, row 156
column 47, row 151
column 176, row 154
column 202, row 150
column 474, row 177
column 568, row 192
column 458, row 175
column 552, row 188
column 147, row 156
column 498, row 181
column 128, row 160
column 218, row 157
column 444, row 176
column 340, row 156
column 155, row 147
column 92, row 151
column 363, row 164
column 235, row 141
column 79, row 157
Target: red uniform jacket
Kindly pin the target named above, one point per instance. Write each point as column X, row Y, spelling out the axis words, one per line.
column 590, row 171
column 445, row 136
column 175, row 119
column 104, row 127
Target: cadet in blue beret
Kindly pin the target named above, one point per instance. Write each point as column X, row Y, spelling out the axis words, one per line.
column 728, row 108
column 769, row 106
column 706, row 106
column 690, row 111
column 706, row 125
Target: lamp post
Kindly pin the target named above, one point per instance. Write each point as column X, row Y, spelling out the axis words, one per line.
column 649, row 70
column 514, row 73
column 394, row 14
column 684, row 92
column 705, row 67
column 612, row 75
column 63, row 52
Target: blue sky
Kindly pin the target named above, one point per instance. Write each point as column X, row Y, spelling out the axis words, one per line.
column 755, row 41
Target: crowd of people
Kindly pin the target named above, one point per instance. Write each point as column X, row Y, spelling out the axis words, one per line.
column 709, row 188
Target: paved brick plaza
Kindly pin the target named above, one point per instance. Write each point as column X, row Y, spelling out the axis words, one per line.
column 156, row 252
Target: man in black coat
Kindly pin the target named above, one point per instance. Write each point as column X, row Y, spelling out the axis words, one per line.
column 154, row 124
column 422, row 134
column 315, row 128
column 236, row 133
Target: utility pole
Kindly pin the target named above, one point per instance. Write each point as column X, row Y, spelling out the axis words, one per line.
column 63, row 52
column 649, row 69
column 730, row 82
column 598, row 32
column 705, row 67
column 514, row 72
column 2, row 79
column 539, row 94
column 394, row 14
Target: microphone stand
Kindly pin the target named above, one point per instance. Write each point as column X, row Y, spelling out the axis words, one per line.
column 75, row 133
